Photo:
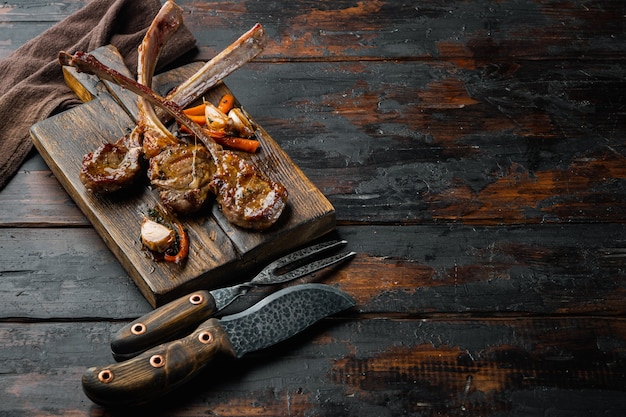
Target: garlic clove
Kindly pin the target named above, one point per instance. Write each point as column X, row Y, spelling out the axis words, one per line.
column 240, row 123
column 156, row 236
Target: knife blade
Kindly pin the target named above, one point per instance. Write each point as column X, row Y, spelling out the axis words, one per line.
column 168, row 366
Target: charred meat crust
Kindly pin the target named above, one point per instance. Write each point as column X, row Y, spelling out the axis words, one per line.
column 247, row 198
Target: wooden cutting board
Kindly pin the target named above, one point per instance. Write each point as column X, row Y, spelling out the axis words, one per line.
column 220, row 253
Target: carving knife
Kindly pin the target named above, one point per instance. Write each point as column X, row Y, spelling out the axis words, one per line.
column 166, row 367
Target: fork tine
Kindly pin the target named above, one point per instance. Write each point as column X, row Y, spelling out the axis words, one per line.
column 270, row 274
column 316, row 266
column 305, row 253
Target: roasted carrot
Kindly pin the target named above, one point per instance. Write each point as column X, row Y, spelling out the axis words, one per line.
column 239, row 144
column 183, row 247
column 209, row 132
column 235, row 143
column 227, row 102
column 195, row 111
column 201, row 120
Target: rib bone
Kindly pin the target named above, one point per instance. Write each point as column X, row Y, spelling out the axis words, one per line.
column 164, row 25
column 181, row 172
column 249, row 45
column 155, row 135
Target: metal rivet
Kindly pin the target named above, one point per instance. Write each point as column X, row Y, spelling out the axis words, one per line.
column 157, row 361
column 196, row 299
column 205, row 337
column 138, row 329
column 105, row 376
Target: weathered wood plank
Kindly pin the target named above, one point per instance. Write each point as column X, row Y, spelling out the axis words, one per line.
column 29, row 11
column 22, row 20
column 431, row 142
column 418, row 271
column 500, row 113
column 34, row 198
column 350, row 366
column 44, row 275
column 467, row 32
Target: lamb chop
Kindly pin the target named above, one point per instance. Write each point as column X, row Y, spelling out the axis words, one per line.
column 248, row 198
column 114, row 166
column 180, row 171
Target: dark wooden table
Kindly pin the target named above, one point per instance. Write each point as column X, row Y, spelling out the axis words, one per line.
column 474, row 152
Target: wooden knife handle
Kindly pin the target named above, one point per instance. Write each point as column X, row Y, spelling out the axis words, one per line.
column 157, row 371
column 162, row 324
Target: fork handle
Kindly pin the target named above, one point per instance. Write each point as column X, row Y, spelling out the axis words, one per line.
column 162, row 324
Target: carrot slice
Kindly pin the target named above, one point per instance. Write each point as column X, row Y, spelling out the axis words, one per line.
column 209, row 132
column 201, row 120
column 195, row 111
column 226, row 103
column 240, row 144
column 232, row 142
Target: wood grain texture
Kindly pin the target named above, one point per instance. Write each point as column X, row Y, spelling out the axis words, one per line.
column 404, row 271
column 474, row 154
column 488, row 30
column 347, row 366
column 22, row 20
column 481, row 147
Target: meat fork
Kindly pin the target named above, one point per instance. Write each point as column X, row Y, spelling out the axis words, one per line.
column 166, row 322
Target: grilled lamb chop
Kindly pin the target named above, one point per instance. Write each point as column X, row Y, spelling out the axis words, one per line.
column 183, row 174
column 255, row 202
column 247, row 198
column 113, row 166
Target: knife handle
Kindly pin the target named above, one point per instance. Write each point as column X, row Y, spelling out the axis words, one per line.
column 162, row 324
column 157, row 371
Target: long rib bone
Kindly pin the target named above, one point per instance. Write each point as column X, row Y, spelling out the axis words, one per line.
column 155, row 135
column 181, row 172
column 164, row 25
column 249, row 45
column 107, row 169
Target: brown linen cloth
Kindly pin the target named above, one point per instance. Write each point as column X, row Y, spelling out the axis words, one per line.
column 32, row 86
